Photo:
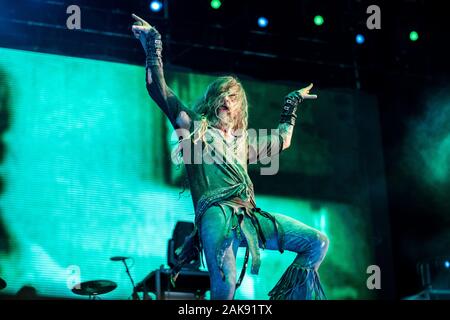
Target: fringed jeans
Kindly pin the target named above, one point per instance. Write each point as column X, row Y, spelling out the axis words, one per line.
column 299, row 282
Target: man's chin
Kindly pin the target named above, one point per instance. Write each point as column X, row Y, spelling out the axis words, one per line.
column 226, row 124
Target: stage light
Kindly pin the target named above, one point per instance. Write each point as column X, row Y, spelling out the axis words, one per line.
column 318, row 20
column 263, row 22
column 360, row 39
column 215, row 4
column 447, row 264
column 413, row 36
column 155, row 6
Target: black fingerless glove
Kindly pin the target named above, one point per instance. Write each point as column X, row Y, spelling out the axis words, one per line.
column 288, row 113
column 153, row 48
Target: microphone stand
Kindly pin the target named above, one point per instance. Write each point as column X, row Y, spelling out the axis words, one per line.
column 135, row 294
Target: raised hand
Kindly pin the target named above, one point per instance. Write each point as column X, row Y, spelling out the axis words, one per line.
column 291, row 101
column 304, row 93
column 149, row 38
column 140, row 26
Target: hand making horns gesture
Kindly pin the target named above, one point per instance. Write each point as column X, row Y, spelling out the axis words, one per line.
column 304, row 93
column 140, row 26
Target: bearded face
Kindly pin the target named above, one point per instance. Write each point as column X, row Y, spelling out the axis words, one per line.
column 228, row 110
column 224, row 104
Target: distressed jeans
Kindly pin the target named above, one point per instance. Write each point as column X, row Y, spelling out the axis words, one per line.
column 299, row 282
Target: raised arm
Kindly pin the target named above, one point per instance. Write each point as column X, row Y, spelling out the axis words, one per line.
column 273, row 143
column 178, row 114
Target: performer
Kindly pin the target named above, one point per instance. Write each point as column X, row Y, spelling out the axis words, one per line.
column 226, row 215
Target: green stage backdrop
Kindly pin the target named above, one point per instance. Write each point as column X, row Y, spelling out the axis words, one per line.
column 86, row 175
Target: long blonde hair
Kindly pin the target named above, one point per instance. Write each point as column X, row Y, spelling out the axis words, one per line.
column 207, row 106
column 213, row 98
